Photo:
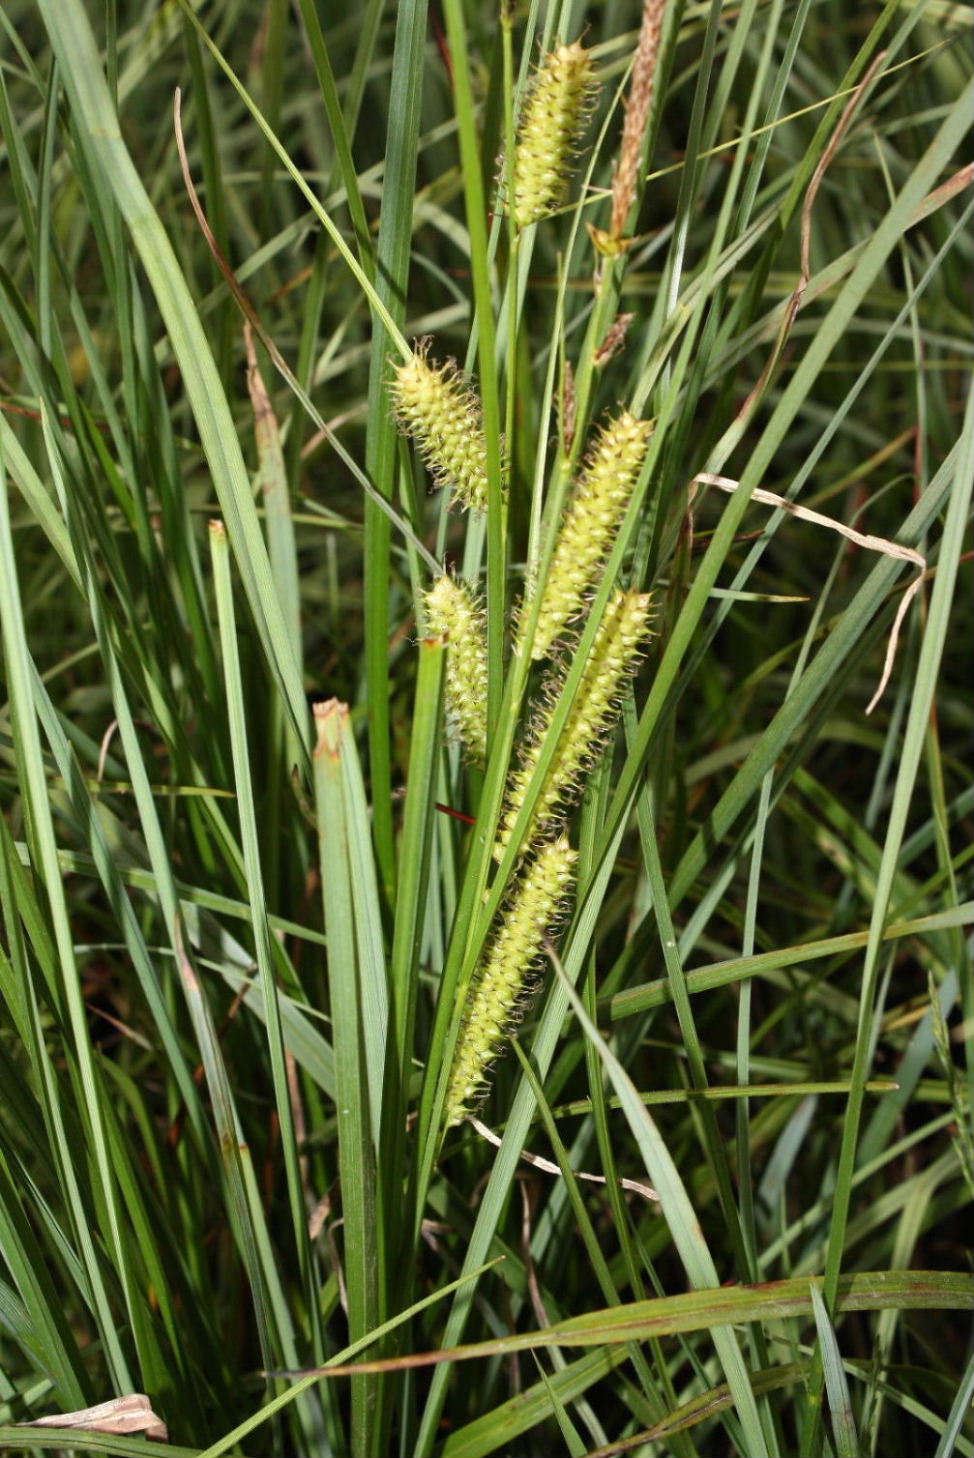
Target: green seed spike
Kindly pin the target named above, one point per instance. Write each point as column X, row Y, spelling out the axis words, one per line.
column 437, row 406
column 555, row 110
column 500, row 982
column 454, row 611
column 614, row 657
column 595, row 511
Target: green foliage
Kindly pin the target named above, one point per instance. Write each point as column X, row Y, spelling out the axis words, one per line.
column 243, row 950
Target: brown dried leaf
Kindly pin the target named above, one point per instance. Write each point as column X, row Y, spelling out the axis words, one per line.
column 131, row 1414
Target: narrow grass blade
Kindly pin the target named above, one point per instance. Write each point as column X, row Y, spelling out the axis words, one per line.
column 959, row 1417
column 413, row 882
column 501, row 1427
column 392, row 271
column 709, row 1309
column 356, row 1098
column 255, row 884
column 840, row 1404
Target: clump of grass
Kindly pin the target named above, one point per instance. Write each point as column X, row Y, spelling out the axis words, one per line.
column 231, row 949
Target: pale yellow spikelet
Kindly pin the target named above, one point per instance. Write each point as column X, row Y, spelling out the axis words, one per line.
column 555, row 111
column 436, row 405
column 501, row 981
column 454, row 611
column 615, row 655
column 595, row 511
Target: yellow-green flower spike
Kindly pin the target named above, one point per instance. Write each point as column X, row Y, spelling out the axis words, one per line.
column 500, row 981
column 454, row 611
column 614, row 657
column 436, row 405
column 594, row 513
column 555, row 110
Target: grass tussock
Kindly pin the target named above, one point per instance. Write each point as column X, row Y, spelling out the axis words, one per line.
column 391, row 733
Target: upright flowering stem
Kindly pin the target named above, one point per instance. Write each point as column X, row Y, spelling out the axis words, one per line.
column 555, row 111
column 640, row 96
column 613, row 242
column 597, row 507
column 436, row 405
column 614, row 657
column 453, row 610
column 501, row 980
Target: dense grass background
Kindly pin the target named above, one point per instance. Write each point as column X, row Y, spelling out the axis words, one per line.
column 231, row 961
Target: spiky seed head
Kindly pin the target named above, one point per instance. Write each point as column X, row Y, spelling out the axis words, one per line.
column 454, row 611
column 596, row 509
column 503, row 978
column 556, row 108
column 436, row 406
column 615, row 655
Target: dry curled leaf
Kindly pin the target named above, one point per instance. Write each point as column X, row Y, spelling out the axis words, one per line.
column 861, row 539
column 131, row 1414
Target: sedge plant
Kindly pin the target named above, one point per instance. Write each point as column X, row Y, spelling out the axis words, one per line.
column 473, row 977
